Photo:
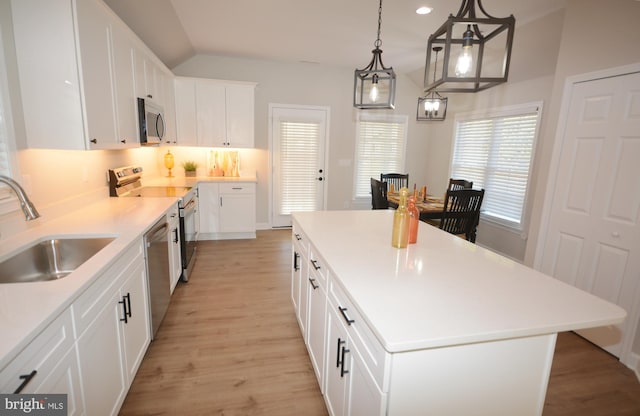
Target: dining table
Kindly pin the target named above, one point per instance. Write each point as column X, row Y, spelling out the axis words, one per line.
column 430, row 208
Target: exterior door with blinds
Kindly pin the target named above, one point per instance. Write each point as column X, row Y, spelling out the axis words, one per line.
column 299, row 137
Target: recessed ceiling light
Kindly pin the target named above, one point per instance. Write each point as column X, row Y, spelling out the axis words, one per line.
column 424, row 10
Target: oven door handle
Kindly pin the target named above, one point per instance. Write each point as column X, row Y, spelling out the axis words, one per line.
column 191, row 206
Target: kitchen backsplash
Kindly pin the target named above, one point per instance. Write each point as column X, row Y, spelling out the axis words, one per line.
column 223, row 163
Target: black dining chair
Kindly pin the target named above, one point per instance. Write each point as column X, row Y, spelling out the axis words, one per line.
column 378, row 195
column 461, row 212
column 399, row 180
column 455, row 184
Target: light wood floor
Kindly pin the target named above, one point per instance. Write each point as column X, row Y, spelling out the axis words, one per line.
column 230, row 345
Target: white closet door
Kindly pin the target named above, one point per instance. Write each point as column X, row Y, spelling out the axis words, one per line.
column 593, row 235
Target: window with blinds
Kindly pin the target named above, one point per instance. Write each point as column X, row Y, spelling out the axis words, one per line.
column 494, row 150
column 380, row 148
column 298, row 165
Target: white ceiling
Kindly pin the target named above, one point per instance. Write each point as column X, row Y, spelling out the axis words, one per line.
column 330, row 32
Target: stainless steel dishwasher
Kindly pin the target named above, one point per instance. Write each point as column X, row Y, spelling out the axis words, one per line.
column 156, row 244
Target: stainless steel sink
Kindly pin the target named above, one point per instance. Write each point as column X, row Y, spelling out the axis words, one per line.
column 50, row 259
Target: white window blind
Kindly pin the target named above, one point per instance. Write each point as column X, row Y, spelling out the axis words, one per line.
column 494, row 150
column 298, row 165
column 380, row 148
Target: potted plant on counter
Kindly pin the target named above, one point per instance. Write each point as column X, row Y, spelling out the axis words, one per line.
column 189, row 168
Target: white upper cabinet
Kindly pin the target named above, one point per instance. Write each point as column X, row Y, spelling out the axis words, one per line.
column 185, row 96
column 49, row 79
column 79, row 75
column 215, row 113
column 105, row 56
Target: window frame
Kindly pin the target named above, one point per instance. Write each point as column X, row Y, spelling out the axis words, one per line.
column 371, row 116
column 503, row 112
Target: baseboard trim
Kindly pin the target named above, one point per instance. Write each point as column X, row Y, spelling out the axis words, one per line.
column 634, row 363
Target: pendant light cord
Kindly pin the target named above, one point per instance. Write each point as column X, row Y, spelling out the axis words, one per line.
column 378, row 42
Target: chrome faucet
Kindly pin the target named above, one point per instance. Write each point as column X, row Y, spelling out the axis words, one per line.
column 30, row 211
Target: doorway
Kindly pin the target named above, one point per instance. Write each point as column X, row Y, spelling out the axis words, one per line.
column 298, row 137
column 592, row 228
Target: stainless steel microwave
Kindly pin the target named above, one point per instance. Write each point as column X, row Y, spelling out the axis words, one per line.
column 150, row 122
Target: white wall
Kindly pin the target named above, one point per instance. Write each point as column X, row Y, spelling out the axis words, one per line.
column 312, row 84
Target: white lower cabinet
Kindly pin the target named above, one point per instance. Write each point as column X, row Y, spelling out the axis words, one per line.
column 316, row 299
column 227, row 210
column 48, row 365
column 349, row 362
column 175, row 256
column 117, row 335
column 350, row 388
column 298, row 280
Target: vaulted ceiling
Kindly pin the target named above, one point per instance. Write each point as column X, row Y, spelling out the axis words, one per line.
column 329, row 32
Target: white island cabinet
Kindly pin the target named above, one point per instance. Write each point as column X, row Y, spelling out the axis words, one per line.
column 443, row 327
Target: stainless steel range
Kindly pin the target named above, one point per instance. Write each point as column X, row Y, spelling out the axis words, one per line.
column 127, row 182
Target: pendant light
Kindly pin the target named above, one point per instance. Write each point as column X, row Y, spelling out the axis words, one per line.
column 433, row 106
column 375, row 85
column 477, row 50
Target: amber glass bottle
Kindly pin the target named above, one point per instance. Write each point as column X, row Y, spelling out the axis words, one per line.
column 414, row 218
column 400, row 234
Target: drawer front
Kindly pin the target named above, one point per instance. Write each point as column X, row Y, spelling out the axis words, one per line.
column 237, row 188
column 90, row 303
column 300, row 242
column 41, row 355
column 372, row 353
column 318, row 267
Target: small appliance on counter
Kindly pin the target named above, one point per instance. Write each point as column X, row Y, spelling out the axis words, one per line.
column 127, row 182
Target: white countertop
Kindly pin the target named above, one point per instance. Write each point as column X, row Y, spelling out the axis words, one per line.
column 443, row 290
column 26, row 308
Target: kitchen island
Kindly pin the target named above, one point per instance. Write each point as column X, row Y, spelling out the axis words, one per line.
column 443, row 327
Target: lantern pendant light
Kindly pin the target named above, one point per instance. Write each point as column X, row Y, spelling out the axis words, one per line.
column 477, row 50
column 375, row 85
column 433, row 106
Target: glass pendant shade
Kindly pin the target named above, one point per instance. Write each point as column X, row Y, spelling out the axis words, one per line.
column 477, row 51
column 375, row 85
column 432, row 107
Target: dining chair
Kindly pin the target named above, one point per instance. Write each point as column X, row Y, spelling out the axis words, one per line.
column 461, row 212
column 379, row 194
column 398, row 180
column 455, row 184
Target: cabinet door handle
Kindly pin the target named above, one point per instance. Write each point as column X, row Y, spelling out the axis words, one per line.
column 94, row 141
column 26, row 378
column 296, row 256
column 220, row 201
column 126, row 308
column 129, row 304
column 342, row 370
column 340, row 342
column 237, row 188
column 344, row 315
column 298, row 237
column 175, row 235
column 315, row 264
column 314, row 286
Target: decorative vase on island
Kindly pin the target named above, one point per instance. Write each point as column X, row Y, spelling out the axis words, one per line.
column 414, row 218
column 400, row 233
